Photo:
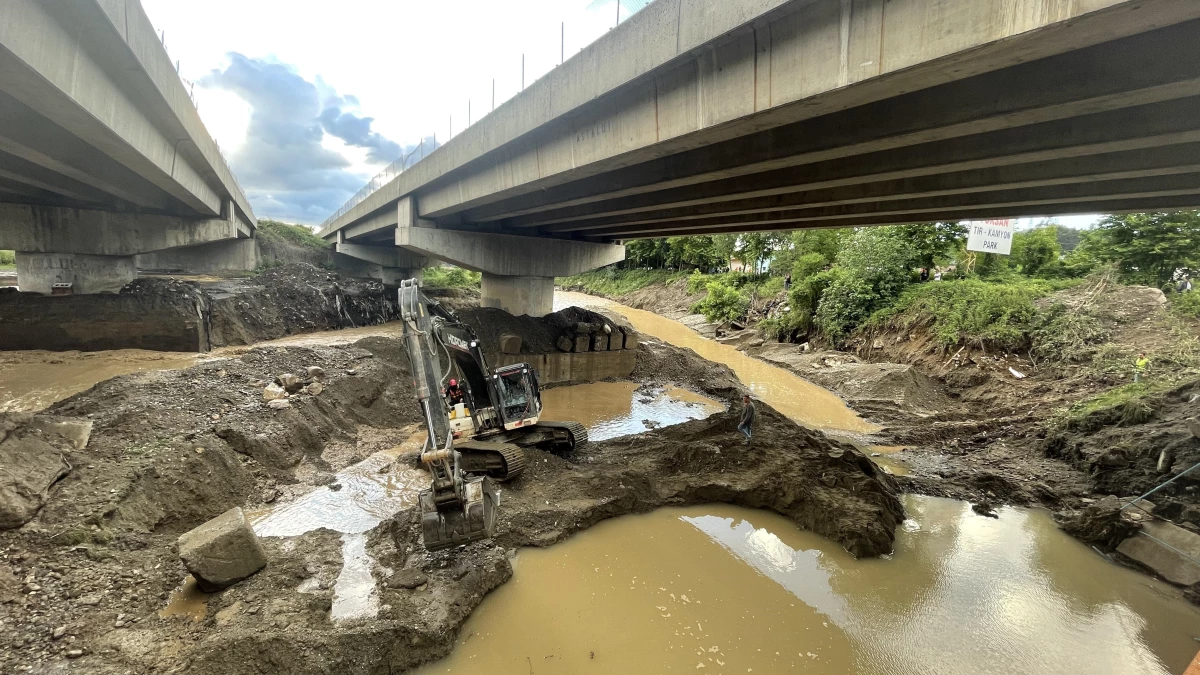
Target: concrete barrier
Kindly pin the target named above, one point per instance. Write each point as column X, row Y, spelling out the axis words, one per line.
column 576, row 367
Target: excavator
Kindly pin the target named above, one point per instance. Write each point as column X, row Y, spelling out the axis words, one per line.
column 481, row 441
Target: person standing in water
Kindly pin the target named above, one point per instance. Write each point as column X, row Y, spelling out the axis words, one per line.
column 748, row 415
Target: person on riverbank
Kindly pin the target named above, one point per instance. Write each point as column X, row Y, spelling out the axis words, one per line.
column 747, row 419
column 1140, row 366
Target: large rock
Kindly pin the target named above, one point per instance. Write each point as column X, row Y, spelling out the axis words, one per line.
column 222, row 551
column 31, row 460
column 1172, row 565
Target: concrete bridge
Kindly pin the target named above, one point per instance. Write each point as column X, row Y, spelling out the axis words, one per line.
column 706, row 116
column 102, row 154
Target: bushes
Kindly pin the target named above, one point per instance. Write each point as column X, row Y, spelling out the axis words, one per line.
column 723, row 302
column 450, row 277
column 1184, row 305
column 1068, row 336
column 968, row 311
column 8, row 258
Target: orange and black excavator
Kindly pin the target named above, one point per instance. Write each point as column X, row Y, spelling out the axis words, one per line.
column 479, row 441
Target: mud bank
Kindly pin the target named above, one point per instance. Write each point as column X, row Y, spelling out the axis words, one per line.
column 181, row 316
column 171, row 449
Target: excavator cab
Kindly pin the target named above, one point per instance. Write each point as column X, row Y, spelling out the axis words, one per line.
column 519, row 400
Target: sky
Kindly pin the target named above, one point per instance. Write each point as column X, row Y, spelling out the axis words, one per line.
column 309, row 99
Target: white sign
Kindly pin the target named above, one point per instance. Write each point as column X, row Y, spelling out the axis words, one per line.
column 991, row 236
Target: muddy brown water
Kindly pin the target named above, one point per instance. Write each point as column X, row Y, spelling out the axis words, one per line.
column 722, row 589
column 612, row 409
column 33, row 380
column 799, row 399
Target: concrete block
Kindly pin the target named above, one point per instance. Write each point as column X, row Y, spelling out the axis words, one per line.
column 510, row 344
column 222, row 551
column 564, row 343
column 631, row 338
column 1166, row 563
column 583, row 343
column 87, row 274
column 29, row 466
column 77, row 431
column 600, row 343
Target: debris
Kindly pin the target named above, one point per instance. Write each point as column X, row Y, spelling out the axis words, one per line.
column 31, row 465
column 315, row 372
column 1170, row 561
column 314, row 389
column 290, row 383
column 1016, row 373
column 985, row 509
column 407, row 578
column 273, row 392
column 279, row 404
column 510, row 344
column 222, row 551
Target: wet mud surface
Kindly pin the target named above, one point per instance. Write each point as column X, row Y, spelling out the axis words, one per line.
column 170, row 449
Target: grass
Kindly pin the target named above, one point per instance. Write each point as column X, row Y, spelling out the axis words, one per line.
column 1132, row 403
column 449, row 277
column 298, row 235
column 8, row 259
column 611, row 282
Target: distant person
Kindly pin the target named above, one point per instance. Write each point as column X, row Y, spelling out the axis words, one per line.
column 454, row 393
column 1185, row 284
column 747, row 420
column 1140, row 366
column 787, row 282
column 924, row 274
column 937, row 276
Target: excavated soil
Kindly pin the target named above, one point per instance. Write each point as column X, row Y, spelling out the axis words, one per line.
column 85, row 579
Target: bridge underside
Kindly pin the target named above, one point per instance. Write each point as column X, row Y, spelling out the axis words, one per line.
column 1106, row 129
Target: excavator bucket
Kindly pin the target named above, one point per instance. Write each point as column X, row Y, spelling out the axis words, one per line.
column 454, row 524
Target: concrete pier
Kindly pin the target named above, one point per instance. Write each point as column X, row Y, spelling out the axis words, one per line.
column 532, row 296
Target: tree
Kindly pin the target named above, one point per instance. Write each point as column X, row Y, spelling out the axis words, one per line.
column 724, row 246
column 1068, row 238
column 874, row 266
column 931, row 241
column 1148, row 247
column 1036, row 251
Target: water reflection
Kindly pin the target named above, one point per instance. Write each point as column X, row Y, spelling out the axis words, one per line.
column 960, row 594
column 612, row 409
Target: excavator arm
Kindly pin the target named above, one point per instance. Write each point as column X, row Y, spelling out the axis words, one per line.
column 456, row 509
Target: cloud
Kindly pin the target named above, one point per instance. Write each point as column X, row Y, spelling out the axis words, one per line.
column 284, row 165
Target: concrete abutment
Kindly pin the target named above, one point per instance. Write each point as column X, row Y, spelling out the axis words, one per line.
column 75, row 273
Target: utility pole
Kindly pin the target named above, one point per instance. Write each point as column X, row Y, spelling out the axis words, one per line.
column 468, row 112
column 618, row 14
column 562, row 44
column 522, row 72
column 451, row 127
column 493, row 94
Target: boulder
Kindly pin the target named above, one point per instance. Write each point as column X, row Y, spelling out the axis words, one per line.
column 222, row 551
column 1098, row 523
column 314, row 389
column 30, row 462
column 407, row 578
column 290, row 383
column 279, row 404
column 315, row 372
column 1172, row 565
column 10, row 587
column 75, row 430
column 273, row 391
column 564, row 343
column 510, row 344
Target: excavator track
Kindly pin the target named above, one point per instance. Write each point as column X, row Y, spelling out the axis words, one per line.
column 497, row 460
column 577, row 435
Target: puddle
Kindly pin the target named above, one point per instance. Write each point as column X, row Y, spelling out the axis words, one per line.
column 795, row 397
column 722, row 589
column 612, row 409
column 33, row 380
column 889, row 459
column 187, row 601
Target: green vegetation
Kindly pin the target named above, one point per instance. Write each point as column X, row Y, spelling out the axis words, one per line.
column 449, row 277
column 8, row 259
column 299, row 235
column 1186, row 305
column 612, row 282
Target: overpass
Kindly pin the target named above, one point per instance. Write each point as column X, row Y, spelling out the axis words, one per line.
column 102, row 154
column 708, row 116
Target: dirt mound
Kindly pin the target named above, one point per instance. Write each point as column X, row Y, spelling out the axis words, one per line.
column 671, row 299
column 171, row 449
column 538, row 334
column 295, row 298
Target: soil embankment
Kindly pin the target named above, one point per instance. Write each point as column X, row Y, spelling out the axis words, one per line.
column 165, row 314
column 86, row 577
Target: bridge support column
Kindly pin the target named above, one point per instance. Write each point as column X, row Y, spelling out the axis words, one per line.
column 517, row 295
column 86, row 274
column 230, row 255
